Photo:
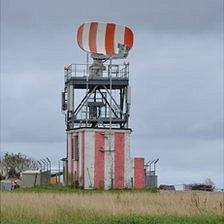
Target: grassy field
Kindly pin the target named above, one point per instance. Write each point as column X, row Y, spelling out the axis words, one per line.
column 63, row 205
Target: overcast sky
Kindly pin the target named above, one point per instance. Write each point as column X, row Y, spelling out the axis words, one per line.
column 176, row 78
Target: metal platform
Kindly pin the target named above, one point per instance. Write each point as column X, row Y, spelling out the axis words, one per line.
column 80, row 82
column 98, row 108
column 120, row 71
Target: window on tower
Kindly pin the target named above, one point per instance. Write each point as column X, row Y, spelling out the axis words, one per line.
column 75, row 148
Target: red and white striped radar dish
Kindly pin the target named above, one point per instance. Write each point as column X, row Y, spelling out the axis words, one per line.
column 104, row 38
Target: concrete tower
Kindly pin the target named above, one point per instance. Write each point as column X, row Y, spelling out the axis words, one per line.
column 96, row 102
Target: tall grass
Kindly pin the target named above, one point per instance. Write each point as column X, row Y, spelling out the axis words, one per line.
column 47, row 207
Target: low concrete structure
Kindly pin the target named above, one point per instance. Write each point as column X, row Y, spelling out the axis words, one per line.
column 6, row 185
column 31, row 178
column 100, row 158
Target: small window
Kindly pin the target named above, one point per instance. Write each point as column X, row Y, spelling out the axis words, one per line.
column 72, row 149
column 75, row 148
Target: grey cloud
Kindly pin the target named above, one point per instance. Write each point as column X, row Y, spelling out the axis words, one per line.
column 164, row 16
column 32, row 109
column 177, row 87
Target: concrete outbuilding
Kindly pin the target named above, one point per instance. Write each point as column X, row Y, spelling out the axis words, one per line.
column 31, row 178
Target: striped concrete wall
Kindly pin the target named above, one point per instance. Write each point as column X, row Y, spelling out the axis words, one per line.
column 104, row 160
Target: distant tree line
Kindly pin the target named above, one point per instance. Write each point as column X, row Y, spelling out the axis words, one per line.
column 12, row 164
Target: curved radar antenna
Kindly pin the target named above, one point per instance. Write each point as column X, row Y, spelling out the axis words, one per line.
column 105, row 40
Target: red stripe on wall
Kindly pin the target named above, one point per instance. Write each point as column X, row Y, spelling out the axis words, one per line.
column 139, row 175
column 99, row 160
column 79, row 35
column 119, row 160
column 128, row 37
column 109, row 38
column 92, row 37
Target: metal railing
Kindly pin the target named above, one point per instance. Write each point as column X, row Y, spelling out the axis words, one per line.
column 82, row 70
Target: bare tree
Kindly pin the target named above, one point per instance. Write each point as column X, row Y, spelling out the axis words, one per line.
column 12, row 164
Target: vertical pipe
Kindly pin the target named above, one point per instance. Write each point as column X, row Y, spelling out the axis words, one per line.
column 87, row 85
column 126, row 105
column 70, row 103
column 71, row 98
column 87, row 88
column 87, row 64
column 110, row 114
column 83, row 158
column 110, row 76
column 121, row 102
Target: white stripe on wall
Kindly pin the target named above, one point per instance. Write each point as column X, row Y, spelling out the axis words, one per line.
column 118, row 37
column 128, row 163
column 109, row 159
column 89, row 159
column 85, row 36
column 100, row 38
